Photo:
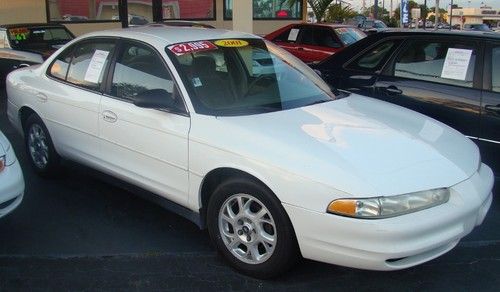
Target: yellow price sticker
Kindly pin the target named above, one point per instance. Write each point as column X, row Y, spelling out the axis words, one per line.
column 231, row 43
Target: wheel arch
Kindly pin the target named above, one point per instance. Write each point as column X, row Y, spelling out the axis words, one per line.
column 24, row 113
column 214, row 178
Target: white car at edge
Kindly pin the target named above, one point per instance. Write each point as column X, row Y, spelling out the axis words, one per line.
column 274, row 165
column 11, row 178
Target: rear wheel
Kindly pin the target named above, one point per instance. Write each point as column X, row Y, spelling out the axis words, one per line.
column 41, row 152
column 250, row 228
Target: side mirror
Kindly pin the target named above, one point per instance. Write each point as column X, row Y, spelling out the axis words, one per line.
column 154, row 98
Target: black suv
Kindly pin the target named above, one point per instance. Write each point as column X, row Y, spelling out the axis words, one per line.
column 451, row 76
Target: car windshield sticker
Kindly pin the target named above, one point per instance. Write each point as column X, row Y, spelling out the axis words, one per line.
column 456, row 64
column 191, row 47
column 231, row 43
column 96, row 66
column 197, row 82
column 19, row 34
column 292, row 36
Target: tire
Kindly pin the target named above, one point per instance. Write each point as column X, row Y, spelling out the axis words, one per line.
column 253, row 252
column 39, row 147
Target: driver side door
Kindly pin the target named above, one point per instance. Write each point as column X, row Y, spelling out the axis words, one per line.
column 147, row 147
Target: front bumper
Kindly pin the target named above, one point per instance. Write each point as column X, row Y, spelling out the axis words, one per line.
column 398, row 242
column 11, row 188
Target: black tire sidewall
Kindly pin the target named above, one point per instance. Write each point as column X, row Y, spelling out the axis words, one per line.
column 53, row 161
column 285, row 253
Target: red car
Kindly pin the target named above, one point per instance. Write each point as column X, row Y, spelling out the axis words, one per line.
column 313, row 42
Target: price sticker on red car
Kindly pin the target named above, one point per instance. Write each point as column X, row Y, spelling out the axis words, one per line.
column 191, row 47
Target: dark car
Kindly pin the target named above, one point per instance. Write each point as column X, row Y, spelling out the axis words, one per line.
column 27, row 44
column 367, row 25
column 477, row 27
column 314, row 42
column 451, row 76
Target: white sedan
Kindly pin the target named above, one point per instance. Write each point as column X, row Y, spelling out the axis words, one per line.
column 273, row 163
column 11, row 178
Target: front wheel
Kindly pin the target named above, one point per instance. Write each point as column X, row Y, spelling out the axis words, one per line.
column 250, row 228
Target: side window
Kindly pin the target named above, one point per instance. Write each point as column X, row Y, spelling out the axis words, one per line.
column 288, row 36
column 88, row 64
column 443, row 62
column 374, row 58
column 139, row 68
column 495, row 69
column 59, row 68
column 325, row 37
column 307, row 35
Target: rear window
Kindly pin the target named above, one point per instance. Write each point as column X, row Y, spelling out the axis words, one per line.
column 349, row 35
column 25, row 37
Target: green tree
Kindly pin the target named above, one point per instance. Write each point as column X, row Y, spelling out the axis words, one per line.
column 339, row 13
column 371, row 11
column 424, row 11
column 319, row 7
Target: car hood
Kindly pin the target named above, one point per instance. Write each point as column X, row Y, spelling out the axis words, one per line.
column 358, row 145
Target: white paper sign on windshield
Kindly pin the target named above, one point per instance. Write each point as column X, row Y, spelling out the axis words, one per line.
column 456, row 64
column 96, row 66
column 292, row 36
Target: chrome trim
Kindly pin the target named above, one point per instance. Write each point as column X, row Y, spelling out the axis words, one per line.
column 482, row 139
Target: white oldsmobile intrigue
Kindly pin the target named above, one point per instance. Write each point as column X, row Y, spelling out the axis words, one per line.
column 11, row 178
column 269, row 160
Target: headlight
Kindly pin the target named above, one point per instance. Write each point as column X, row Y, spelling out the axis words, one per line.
column 383, row 207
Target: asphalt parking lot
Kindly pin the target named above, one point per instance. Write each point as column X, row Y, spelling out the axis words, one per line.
column 83, row 232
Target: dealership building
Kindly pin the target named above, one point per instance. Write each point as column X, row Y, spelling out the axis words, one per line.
column 484, row 14
column 81, row 16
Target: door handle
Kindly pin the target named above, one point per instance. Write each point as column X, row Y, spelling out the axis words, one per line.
column 109, row 116
column 41, row 97
column 492, row 108
column 393, row 90
column 22, row 65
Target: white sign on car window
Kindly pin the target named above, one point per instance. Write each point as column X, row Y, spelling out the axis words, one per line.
column 96, row 66
column 292, row 36
column 456, row 64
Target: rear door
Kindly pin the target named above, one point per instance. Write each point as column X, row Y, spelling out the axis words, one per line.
column 71, row 100
column 288, row 39
column 438, row 77
column 489, row 136
column 316, row 43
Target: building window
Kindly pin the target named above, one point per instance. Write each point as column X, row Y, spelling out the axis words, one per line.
column 188, row 9
column 82, row 10
column 140, row 12
column 268, row 9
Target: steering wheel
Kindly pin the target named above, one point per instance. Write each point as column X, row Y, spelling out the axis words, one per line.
column 259, row 79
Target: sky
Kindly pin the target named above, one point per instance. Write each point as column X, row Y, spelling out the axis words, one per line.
column 495, row 4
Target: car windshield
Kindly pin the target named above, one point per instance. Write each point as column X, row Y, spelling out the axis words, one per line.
column 379, row 24
column 349, row 35
column 245, row 76
column 37, row 37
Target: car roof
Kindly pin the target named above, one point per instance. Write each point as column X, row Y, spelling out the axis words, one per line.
column 332, row 25
column 170, row 34
column 417, row 32
column 7, row 26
